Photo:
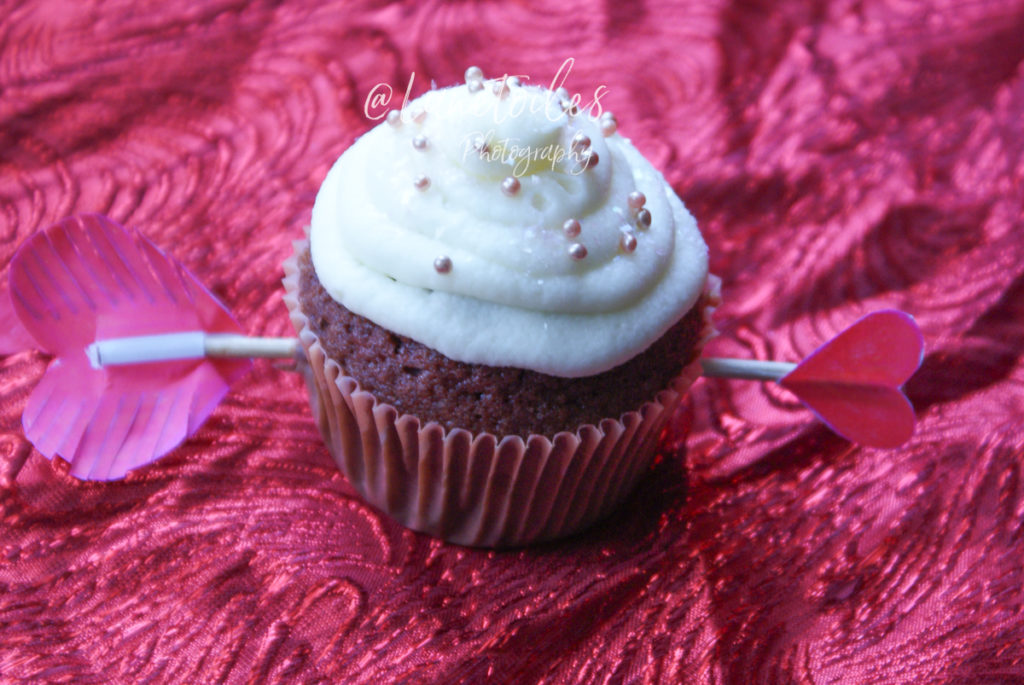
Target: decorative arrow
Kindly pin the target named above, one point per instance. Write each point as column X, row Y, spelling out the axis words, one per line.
column 87, row 278
column 143, row 353
column 852, row 382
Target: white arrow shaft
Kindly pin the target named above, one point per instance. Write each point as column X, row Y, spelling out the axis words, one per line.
column 142, row 349
column 747, row 369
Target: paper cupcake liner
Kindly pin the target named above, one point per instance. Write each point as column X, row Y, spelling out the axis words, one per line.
column 477, row 489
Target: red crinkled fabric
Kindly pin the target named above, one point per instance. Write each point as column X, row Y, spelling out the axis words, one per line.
column 841, row 157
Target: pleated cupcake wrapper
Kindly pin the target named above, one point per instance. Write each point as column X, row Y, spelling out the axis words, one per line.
column 477, row 489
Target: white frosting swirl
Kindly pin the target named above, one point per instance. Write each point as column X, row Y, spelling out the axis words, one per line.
column 514, row 296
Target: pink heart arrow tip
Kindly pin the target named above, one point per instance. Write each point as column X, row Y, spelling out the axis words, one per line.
column 853, row 382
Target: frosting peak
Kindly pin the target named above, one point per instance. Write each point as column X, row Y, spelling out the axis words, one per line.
column 496, row 226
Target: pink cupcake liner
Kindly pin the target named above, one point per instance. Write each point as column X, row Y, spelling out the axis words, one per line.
column 477, row 489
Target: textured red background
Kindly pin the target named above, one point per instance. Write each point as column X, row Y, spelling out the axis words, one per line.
column 840, row 156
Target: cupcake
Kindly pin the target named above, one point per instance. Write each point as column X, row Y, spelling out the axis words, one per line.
column 501, row 303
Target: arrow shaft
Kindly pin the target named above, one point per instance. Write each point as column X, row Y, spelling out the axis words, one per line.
column 241, row 346
column 746, row 369
column 142, row 349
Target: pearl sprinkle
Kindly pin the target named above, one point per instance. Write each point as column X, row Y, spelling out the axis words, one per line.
column 643, row 219
column 395, row 118
column 609, row 124
column 421, row 182
column 636, row 200
column 571, row 228
column 580, row 141
column 420, row 142
column 443, row 264
column 627, row 243
column 578, row 251
column 481, row 146
column 510, row 186
column 474, row 79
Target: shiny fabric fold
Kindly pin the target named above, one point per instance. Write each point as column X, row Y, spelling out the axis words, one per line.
column 840, row 157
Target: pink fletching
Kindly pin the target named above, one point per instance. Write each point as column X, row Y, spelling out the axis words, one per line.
column 853, row 381
column 87, row 278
